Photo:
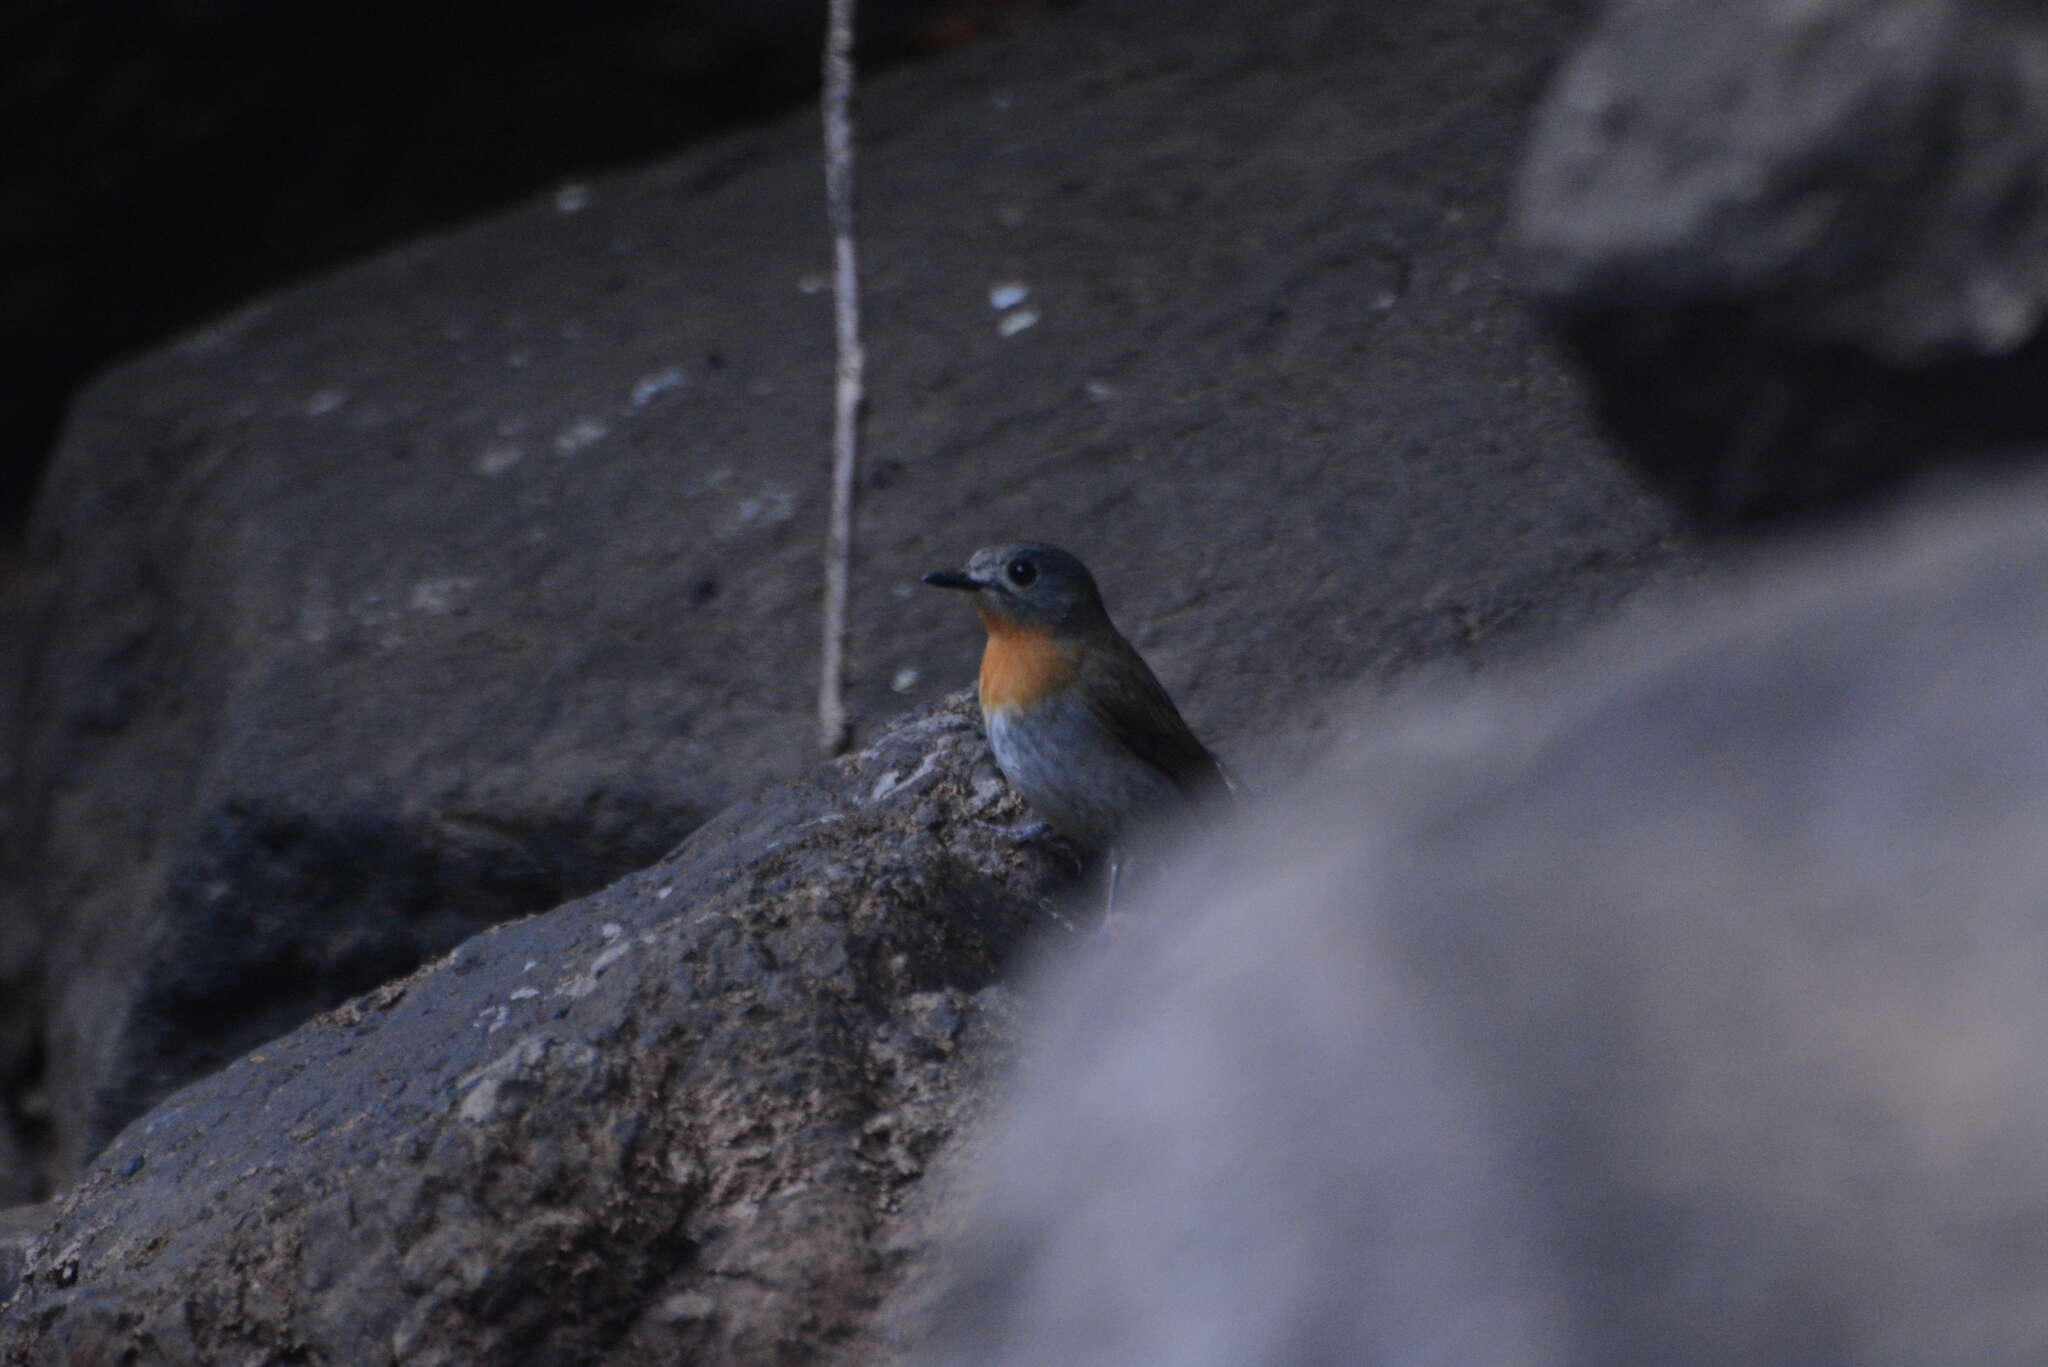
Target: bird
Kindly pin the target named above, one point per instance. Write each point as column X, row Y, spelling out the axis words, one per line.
column 1079, row 724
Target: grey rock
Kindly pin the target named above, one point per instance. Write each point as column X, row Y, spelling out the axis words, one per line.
column 18, row 1227
column 1688, row 1005
column 205, row 112
column 465, row 581
column 672, row 1121
column 1798, row 245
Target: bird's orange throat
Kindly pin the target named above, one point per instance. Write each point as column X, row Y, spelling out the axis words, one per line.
column 1021, row 665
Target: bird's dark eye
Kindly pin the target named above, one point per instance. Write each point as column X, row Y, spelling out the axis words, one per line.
column 1021, row 573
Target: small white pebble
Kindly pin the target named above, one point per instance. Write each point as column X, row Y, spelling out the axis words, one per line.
column 662, row 894
column 660, row 382
column 1008, row 294
column 1098, row 391
column 1013, row 323
column 579, row 434
column 772, row 503
column 611, row 930
column 572, row 198
column 496, row 460
column 531, row 964
column 905, row 679
column 814, row 283
column 520, row 994
column 326, row 401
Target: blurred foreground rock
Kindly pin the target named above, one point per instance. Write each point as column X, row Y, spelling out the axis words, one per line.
column 1799, row 245
column 468, row 580
column 1689, row 1008
column 673, row 1121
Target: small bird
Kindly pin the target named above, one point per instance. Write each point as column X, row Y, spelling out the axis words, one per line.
column 1078, row 722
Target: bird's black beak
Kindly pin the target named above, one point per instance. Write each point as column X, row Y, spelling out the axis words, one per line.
column 952, row 579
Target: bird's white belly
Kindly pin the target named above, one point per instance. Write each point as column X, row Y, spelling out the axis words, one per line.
column 1073, row 772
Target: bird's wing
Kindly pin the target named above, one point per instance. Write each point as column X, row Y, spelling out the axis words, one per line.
column 1127, row 697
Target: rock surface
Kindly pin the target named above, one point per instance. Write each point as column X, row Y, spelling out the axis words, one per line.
column 1798, row 245
column 672, row 1121
column 194, row 114
column 1687, row 1008
column 463, row 582
column 19, row 1226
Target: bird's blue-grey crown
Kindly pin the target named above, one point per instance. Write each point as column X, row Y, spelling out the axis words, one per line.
column 1030, row 582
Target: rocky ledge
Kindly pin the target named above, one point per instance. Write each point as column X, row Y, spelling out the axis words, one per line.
column 687, row 1108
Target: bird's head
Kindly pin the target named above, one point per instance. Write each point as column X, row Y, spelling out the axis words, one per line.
column 1028, row 584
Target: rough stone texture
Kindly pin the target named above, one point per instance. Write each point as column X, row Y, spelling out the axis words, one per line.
column 465, row 581
column 19, row 1226
column 1690, row 1007
column 672, row 1121
column 1799, row 245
